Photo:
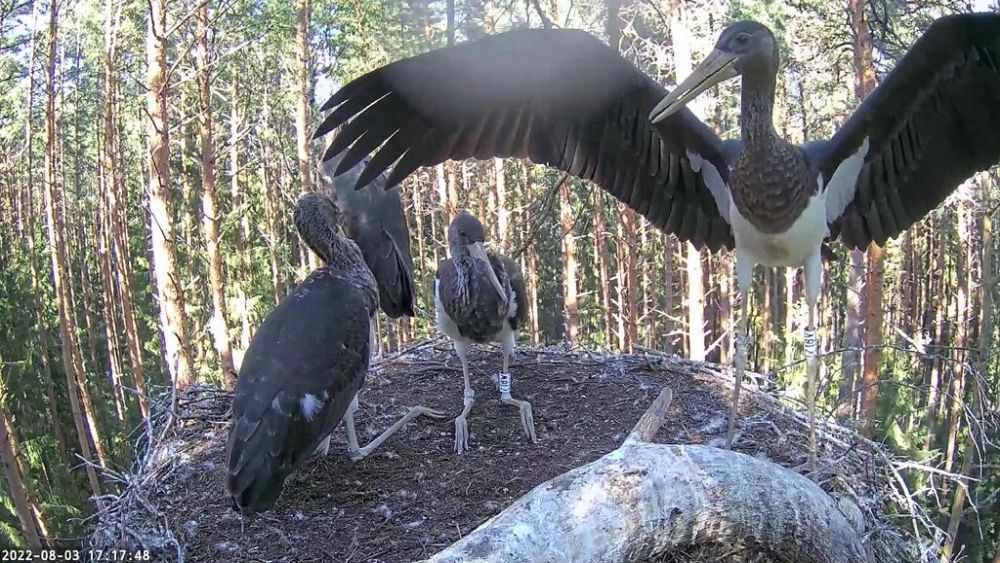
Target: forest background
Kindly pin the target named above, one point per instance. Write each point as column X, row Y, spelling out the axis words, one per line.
column 151, row 153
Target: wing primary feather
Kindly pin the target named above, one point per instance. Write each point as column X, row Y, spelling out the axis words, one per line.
column 351, row 107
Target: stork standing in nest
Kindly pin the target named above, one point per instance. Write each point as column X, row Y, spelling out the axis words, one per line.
column 305, row 365
column 477, row 295
column 563, row 98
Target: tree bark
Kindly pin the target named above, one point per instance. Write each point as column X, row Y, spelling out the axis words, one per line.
column 503, row 213
column 15, row 484
column 961, row 341
column 669, row 300
column 36, row 289
column 601, row 249
column 571, row 307
column 114, row 198
column 531, row 259
column 72, row 361
column 210, row 219
column 272, row 207
column 864, row 82
column 174, row 323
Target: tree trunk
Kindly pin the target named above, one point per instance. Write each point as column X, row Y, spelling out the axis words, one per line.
column 272, row 208
column 210, row 219
column 72, row 361
column 962, row 320
column 668, row 293
column 440, row 235
column 766, row 323
column 864, row 82
column 621, row 287
column 570, row 305
column 531, row 259
column 601, row 249
column 503, row 213
column 114, row 197
column 174, row 323
column 302, row 16
column 36, row 289
column 15, row 484
column 695, row 305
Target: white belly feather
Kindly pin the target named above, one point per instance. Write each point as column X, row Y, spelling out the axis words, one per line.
column 790, row 248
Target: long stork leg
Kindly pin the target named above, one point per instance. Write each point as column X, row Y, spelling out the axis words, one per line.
column 744, row 277
column 357, row 453
column 504, row 381
column 468, row 399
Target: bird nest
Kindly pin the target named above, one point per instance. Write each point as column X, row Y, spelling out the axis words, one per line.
column 415, row 496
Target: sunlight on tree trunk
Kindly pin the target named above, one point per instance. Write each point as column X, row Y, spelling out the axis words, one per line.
column 864, row 83
column 210, row 225
column 72, row 362
column 570, row 306
column 15, row 483
column 174, row 329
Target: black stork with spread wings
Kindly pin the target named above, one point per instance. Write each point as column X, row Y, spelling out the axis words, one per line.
column 564, row 99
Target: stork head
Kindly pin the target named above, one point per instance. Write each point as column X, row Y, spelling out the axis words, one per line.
column 744, row 48
column 318, row 222
column 466, row 234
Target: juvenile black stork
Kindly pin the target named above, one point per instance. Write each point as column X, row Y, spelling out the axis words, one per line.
column 563, row 98
column 304, row 367
column 373, row 218
column 476, row 295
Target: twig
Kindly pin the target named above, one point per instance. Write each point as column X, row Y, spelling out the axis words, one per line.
column 651, row 420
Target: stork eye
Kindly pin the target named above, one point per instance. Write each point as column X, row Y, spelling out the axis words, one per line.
column 741, row 39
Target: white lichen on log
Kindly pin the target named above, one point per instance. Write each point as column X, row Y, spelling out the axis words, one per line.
column 644, row 499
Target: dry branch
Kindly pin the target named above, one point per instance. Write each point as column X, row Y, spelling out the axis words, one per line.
column 644, row 500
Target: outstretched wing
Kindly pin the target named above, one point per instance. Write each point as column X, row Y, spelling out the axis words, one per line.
column 559, row 97
column 932, row 123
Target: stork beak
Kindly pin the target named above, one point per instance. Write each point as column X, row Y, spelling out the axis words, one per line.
column 478, row 252
column 717, row 67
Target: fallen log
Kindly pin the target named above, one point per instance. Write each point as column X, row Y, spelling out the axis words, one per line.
column 645, row 499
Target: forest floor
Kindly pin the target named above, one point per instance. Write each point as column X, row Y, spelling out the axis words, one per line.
column 415, row 496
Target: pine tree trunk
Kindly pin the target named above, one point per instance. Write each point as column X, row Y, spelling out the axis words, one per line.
column 440, row 234
column 302, row 134
column 174, row 323
column 531, row 261
column 695, row 305
column 940, row 336
column 15, row 483
column 114, row 196
column 962, row 322
column 36, row 290
column 219, row 325
column 632, row 282
column 604, row 280
column 864, row 82
column 108, row 304
column 571, row 306
column 503, row 214
column 669, row 299
column 621, row 288
column 72, row 362
column 272, row 208
column 790, row 314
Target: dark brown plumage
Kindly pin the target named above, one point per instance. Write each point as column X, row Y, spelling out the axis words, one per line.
column 479, row 298
column 373, row 218
column 304, row 365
